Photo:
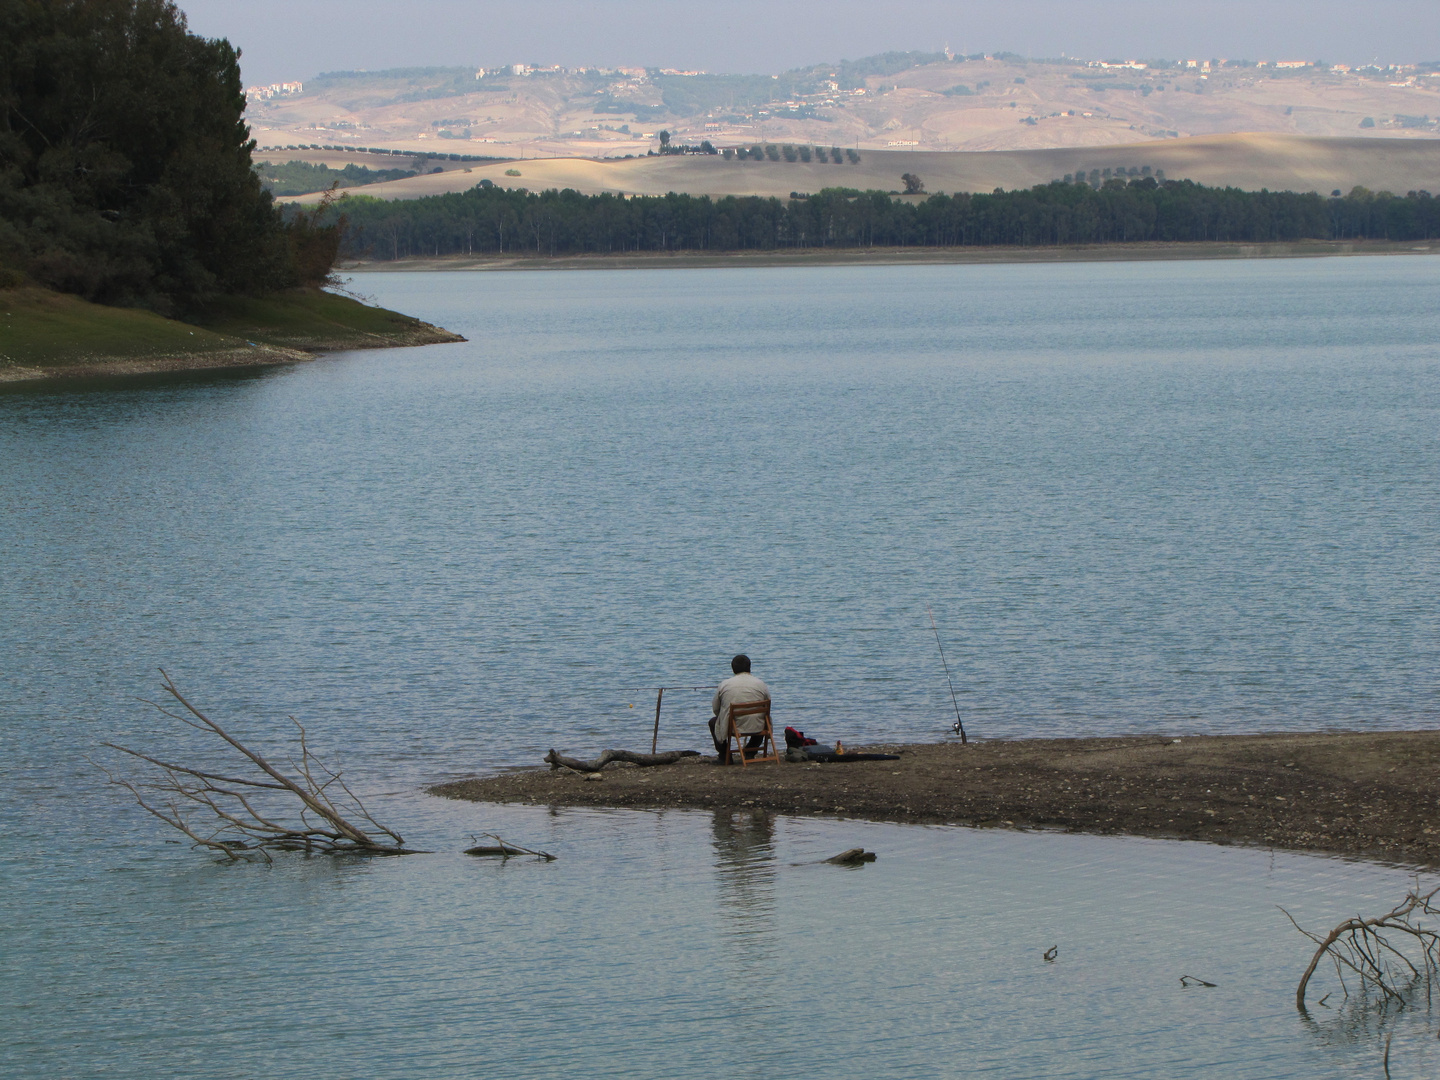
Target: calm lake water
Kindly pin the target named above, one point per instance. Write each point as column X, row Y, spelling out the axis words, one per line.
column 1175, row 497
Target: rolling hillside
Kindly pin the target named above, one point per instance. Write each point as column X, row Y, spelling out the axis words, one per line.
column 1276, row 162
column 891, row 102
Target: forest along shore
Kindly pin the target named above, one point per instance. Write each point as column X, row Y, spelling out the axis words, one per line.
column 1364, row 794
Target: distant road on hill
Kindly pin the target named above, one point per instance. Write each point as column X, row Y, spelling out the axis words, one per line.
column 1252, row 162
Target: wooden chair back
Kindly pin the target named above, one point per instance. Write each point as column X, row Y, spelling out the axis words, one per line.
column 762, row 710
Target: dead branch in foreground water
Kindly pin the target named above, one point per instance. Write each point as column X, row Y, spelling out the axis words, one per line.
column 243, row 816
column 505, row 850
column 852, row 857
column 1363, row 947
column 557, row 760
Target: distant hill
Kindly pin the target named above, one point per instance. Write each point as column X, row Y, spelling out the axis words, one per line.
column 890, row 101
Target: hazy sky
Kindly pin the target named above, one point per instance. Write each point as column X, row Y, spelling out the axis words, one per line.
column 289, row 39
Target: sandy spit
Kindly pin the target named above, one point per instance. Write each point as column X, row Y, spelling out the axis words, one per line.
column 1348, row 793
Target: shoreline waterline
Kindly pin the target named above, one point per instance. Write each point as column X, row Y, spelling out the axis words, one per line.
column 910, row 256
column 57, row 338
column 1366, row 794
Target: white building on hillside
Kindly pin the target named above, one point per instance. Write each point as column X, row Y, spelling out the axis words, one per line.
column 274, row 90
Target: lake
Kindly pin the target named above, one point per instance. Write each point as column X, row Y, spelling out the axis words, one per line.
column 1160, row 498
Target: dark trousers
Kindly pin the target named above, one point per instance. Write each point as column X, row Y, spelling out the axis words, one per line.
column 722, row 748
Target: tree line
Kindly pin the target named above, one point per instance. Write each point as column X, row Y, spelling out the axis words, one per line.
column 303, row 177
column 791, row 153
column 491, row 219
column 418, row 155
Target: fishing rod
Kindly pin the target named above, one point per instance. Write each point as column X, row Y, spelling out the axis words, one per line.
column 959, row 724
column 660, row 697
column 637, row 689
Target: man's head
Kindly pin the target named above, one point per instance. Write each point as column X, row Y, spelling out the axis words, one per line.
column 740, row 664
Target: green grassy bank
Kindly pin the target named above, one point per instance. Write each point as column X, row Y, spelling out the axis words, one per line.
column 46, row 335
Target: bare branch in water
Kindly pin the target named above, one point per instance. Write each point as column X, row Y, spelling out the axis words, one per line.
column 247, row 816
column 505, row 850
column 1367, row 948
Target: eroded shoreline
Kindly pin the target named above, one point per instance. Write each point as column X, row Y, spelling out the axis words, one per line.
column 1350, row 793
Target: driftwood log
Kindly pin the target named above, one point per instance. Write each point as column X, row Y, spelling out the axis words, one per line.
column 1364, row 947
column 557, row 760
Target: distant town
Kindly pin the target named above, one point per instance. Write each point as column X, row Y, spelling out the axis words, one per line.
column 1409, row 74
column 914, row 100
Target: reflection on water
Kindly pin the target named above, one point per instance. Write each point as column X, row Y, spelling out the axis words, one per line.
column 148, row 383
column 745, row 867
column 1362, row 1018
column 745, row 872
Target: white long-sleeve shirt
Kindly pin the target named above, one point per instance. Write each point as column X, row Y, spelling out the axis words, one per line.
column 738, row 690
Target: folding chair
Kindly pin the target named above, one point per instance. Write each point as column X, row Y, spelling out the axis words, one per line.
column 752, row 708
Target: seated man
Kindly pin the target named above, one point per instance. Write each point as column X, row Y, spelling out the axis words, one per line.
column 740, row 688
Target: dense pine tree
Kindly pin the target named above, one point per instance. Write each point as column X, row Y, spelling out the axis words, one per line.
column 125, row 167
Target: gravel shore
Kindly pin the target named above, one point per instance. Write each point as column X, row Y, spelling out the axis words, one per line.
column 1363, row 794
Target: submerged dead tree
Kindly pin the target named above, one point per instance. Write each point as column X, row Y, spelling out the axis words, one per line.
column 1385, row 952
column 260, row 809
